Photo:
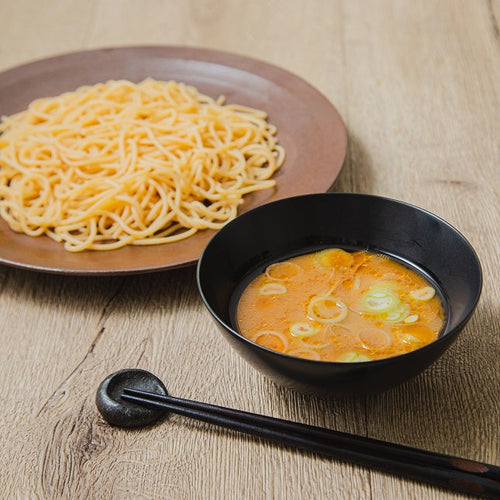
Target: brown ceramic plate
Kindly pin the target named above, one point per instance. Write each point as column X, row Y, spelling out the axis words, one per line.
column 309, row 128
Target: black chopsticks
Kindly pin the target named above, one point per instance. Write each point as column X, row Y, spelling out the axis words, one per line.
column 458, row 474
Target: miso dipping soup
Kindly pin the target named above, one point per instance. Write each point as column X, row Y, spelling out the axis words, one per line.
column 335, row 305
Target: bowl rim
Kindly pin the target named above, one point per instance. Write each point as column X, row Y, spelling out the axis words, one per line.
column 444, row 338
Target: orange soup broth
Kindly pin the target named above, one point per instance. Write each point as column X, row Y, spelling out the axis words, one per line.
column 335, row 305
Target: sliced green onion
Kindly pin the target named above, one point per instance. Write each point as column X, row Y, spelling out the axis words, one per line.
column 353, row 357
column 303, row 330
column 413, row 318
column 425, row 293
column 326, row 309
column 379, row 300
column 272, row 289
column 271, row 333
column 375, row 338
column 334, row 257
column 407, row 338
column 282, row 271
column 399, row 314
column 339, row 331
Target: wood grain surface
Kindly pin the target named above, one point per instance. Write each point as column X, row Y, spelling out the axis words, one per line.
column 417, row 83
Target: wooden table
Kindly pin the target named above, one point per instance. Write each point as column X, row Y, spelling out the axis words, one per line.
column 417, row 83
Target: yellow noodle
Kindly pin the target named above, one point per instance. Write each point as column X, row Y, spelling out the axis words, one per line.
column 120, row 163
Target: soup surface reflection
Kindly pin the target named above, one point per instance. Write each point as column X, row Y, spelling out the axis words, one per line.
column 334, row 305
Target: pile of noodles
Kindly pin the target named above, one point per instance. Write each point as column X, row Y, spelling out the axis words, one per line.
column 120, row 163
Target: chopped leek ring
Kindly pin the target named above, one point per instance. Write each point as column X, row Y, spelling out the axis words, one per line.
column 380, row 300
column 326, row 309
column 272, row 289
column 399, row 314
column 375, row 338
column 410, row 339
column 334, row 257
column 303, row 330
column 411, row 319
column 282, row 271
column 271, row 333
column 352, row 357
column 425, row 293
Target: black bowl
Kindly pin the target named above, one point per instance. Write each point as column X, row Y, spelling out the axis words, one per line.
column 354, row 221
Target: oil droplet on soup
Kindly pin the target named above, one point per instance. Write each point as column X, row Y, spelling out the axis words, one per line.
column 340, row 306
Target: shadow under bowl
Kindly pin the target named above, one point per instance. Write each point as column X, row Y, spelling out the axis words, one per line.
column 306, row 223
